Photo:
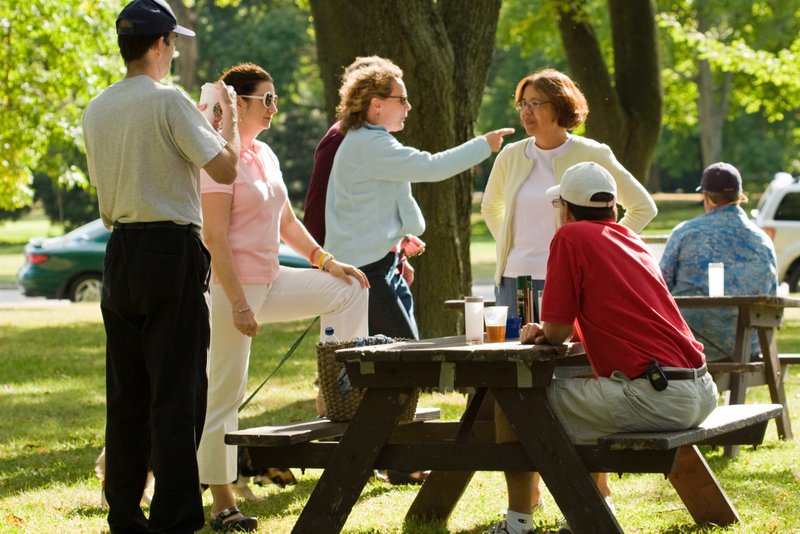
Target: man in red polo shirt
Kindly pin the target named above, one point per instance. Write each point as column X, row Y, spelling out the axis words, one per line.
column 603, row 282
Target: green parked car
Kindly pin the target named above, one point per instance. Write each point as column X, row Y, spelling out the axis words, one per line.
column 71, row 266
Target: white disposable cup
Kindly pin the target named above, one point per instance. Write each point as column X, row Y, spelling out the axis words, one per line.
column 716, row 279
column 495, row 315
column 209, row 94
column 473, row 316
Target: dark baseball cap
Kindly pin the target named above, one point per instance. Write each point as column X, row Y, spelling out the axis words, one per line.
column 150, row 17
column 719, row 178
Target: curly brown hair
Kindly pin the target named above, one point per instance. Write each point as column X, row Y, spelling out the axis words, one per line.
column 570, row 104
column 360, row 87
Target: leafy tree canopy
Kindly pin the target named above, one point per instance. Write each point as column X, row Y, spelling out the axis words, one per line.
column 55, row 55
column 758, row 41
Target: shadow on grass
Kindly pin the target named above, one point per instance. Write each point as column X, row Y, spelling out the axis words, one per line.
column 53, row 352
column 33, row 469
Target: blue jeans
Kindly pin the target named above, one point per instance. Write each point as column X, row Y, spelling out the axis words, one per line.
column 506, row 295
column 391, row 306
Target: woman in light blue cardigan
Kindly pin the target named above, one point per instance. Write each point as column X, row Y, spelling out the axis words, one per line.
column 369, row 208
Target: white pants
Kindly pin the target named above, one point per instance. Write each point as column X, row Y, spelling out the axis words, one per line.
column 295, row 294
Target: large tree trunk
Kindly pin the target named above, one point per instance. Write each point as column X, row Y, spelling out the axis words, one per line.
column 445, row 50
column 625, row 112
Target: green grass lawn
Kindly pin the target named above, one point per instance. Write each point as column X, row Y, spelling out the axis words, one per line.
column 52, row 416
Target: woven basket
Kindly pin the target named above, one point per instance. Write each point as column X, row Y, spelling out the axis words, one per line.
column 340, row 408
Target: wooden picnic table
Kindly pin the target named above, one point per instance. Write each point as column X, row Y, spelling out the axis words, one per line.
column 764, row 313
column 517, row 376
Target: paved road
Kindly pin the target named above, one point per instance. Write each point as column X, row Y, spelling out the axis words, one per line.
column 14, row 298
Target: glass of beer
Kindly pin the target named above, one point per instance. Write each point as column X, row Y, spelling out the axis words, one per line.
column 495, row 317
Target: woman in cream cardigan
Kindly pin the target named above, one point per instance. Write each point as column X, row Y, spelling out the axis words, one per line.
column 550, row 105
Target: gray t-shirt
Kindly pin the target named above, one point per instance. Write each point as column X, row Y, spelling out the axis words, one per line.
column 144, row 144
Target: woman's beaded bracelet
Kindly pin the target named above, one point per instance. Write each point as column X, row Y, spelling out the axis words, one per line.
column 241, row 311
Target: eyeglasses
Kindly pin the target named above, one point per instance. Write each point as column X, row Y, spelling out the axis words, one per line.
column 268, row 99
column 533, row 105
column 557, row 202
column 403, row 99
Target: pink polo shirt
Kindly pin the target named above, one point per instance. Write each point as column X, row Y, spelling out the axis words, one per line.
column 258, row 198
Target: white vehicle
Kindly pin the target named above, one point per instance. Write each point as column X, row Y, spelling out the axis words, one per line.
column 778, row 214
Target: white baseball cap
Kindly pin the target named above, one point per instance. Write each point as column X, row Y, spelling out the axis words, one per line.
column 583, row 180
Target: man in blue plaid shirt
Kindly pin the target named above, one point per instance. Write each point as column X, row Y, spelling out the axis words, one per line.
column 723, row 234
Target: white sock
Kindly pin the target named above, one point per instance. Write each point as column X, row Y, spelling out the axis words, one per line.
column 518, row 523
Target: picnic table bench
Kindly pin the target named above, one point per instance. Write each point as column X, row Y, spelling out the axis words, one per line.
column 516, row 375
column 765, row 314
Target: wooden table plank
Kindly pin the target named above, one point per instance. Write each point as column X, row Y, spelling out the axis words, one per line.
column 454, row 349
column 722, row 420
column 733, row 300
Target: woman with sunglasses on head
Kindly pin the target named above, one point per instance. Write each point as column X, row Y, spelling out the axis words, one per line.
column 243, row 225
column 371, row 218
column 519, row 214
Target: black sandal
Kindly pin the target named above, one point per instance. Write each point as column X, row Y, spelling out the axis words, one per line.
column 240, row 524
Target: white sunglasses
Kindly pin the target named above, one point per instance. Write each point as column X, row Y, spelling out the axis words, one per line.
column 267, row 99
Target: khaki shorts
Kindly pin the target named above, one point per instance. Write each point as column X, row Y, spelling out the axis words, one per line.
column 589, row 408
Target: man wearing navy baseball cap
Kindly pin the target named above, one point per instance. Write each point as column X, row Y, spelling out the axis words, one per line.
column 723, row 234
column 145, row 143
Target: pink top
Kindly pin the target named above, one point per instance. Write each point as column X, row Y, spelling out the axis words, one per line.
column 259, row 195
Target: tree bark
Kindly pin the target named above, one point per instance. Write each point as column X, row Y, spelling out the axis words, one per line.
column 445, row 50
column 338, row 44
column 626, row 110
column 712, row 101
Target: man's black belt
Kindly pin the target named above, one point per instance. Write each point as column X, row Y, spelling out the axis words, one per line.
column 157, row 224
column 680, row 374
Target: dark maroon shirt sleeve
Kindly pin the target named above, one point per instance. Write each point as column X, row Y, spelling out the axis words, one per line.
column 314, row 218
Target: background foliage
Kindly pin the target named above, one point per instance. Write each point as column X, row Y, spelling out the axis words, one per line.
column 55, row 55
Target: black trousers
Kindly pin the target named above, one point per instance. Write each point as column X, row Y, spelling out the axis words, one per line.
column 156, row 315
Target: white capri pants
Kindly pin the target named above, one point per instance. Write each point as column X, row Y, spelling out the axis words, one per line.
column 295, row 294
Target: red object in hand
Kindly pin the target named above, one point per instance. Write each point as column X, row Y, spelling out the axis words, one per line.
column 412, row 245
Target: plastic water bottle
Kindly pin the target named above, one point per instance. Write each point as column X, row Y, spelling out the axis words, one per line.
column 329, row 338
